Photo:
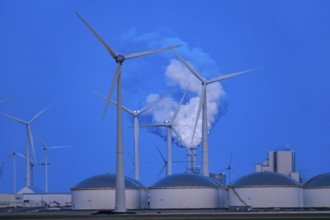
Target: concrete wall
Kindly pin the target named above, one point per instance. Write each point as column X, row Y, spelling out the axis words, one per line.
column 99, row 199
column 267, row 197
column 187, row 198
column 317, row 198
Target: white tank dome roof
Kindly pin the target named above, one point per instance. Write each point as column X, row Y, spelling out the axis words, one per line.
column 186, row 179
column 105, row 181
column 322, row 180
column 265, row 179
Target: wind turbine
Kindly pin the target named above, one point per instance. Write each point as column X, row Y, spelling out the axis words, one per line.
column 13, row 155
column 169, row 124
column 45, row 163
column 165, row 162
column 229, row 169
column 203, row 105
column 136, row 114
column 120, row 200
column 29, row 141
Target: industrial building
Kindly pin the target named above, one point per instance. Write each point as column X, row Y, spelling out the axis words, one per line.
column 317, row 192
column 266, row 190
column 36, row 200
column 187, row 191
column 98, row 192
column 280, row 161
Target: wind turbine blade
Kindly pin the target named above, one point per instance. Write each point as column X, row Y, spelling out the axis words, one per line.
column 150, row 105
column 111, row 52
column 230, row 159
column 21, row 155
column 131, row 159
column 115, row 103
column 154, row 125
column 179, row 105
column 59, row 147
column 123, row 107
column 165, row 161
column 200, row 105
column 40, row 113
column 133, row 55
column 42, row 142
column 6, row 158
column 161, row 171
column 192, row 70
column 118, row 71
column 16, row 119
column 177, row 134
column 227, row 76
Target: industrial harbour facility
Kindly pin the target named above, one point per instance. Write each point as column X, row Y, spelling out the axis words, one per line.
column 262, row 190
column 182, row 117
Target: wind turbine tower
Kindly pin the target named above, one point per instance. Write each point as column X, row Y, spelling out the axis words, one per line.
column 120, row 200
column 203, row 107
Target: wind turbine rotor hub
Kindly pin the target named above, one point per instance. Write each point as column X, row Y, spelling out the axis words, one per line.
column 120, row 59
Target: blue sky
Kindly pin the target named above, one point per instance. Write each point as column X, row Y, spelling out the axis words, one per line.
column 48, row 56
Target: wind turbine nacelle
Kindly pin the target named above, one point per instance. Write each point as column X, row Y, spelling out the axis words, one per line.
column 119, row 58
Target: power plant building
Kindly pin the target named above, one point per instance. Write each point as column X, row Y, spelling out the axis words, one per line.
column 98, row 192
column 280, row 161
column 187, row 191
column 317, row 192
column 266, row 190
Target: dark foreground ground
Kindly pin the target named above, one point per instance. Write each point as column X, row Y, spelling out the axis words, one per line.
column 164, row 215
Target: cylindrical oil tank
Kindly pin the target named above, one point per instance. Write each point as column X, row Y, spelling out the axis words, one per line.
column 317, row 192
column 266, row 190
column 187, row 191
column 98, row 193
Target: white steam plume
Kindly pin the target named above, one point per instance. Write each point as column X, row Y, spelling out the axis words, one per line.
column 180, row 76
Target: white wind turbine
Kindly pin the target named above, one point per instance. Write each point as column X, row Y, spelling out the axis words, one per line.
column 169, row 124
column 45, row 163
column 120, row 200
column 203, row 105
column 29, row 142
column 11, row 155
column 165, row 162
column 136, row 114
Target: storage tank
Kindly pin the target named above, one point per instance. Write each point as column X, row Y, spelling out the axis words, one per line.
column 266, row 190
column 98, row 192
column 187, row 191
column 317, row 191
